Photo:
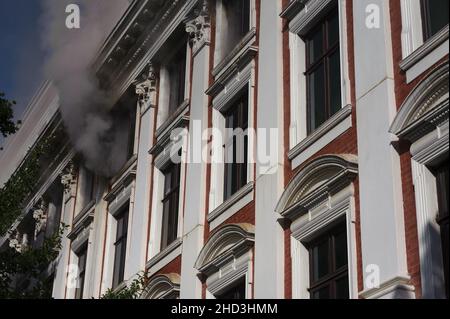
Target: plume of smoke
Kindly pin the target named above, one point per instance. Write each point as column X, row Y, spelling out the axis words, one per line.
column 83, row 106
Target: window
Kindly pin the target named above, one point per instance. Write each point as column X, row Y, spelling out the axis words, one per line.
column 442, row 179
column 120, row 247
column 329, row 265
column 177, row 79
column 170, row 206
column 234, row 293
column 89, row 186
column 236, row 153
column 131, row 133
column 237, row 17
column 323, row 71
column 82, row 258
column 434, row 16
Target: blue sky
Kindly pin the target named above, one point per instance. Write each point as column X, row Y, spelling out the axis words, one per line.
column 21, row 53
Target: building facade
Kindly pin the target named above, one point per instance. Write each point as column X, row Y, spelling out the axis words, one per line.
column 335, row 186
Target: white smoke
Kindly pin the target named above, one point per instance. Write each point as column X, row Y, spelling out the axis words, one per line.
column 83, row 105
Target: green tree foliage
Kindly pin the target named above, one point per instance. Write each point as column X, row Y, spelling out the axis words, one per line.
column 7, row 124
column 30, row 267
column 135, row 290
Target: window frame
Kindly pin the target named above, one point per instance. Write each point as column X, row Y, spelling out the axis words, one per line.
column 235, row 173
column 171, row 197
column 118, row 274
column 328, row 50
column 82, row 253
column 426, row 20
column 333, row 275
column 302, row 144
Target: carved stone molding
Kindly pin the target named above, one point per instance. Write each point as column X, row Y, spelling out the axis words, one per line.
column 199, row 28
column 68, row 179
column 18, row 241
column 40, row 215
column 146, row 87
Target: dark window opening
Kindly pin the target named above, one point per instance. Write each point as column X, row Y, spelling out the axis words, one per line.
column 323, row 71
column 237, row 15
column 177, row 79
column 82, row 258
column 442, row 179
column 170, row 205
column 329, row 265
column 236, row 148
column 434, row 16
column 120, row 246
column 234, row 293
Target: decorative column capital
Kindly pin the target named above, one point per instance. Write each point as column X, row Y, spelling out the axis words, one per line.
column 40, row 216
column 68, row 179
column 199, row 27
column 146, row 87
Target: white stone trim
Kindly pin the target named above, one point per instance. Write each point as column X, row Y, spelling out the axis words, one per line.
column 219, row 55
column 338, row 208
column 412, row 30
column 426, row 152
column 230, row 207
column 338, row 124
column 161, row 162
column 426, row 55
column 298, row 126
column 226, row 258
column 162, row 286
column 165, row 257
column 220, row 104
column 230, row 273
column 419, row 56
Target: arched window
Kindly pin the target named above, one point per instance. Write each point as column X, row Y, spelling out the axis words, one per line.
column 226, row 262
column 423, row 121
column 319, row 203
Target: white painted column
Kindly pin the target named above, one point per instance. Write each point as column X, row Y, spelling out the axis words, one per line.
column 381, row 201
column 68, row 179
column 141, row 214
column 194, row 210
column 269, row 239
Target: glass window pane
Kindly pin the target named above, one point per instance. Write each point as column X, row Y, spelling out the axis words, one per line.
column 322, row 293
column 340, row 246
column 342, row 289
column 317, row 112
column 315, row 45
column 438, row 15
column 333, row 29
column 335, row 83
column 321, row 262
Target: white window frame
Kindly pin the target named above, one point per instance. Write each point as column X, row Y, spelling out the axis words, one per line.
column 302, row 146
column 164, row 88
column 221, row 29
column 419, row 56
column 230, row 274
column 122, row 192
column 338, row 208
column 220, row 210
column 162, row 161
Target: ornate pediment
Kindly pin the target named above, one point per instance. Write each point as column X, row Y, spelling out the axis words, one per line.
column 425, row 108
column 317, row 181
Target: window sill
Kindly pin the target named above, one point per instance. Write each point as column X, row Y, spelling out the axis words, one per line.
column 82, row 220
column 325, row 134
column 426, row 55
column 165, row 257
column 244, row 52
column 231, row 206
